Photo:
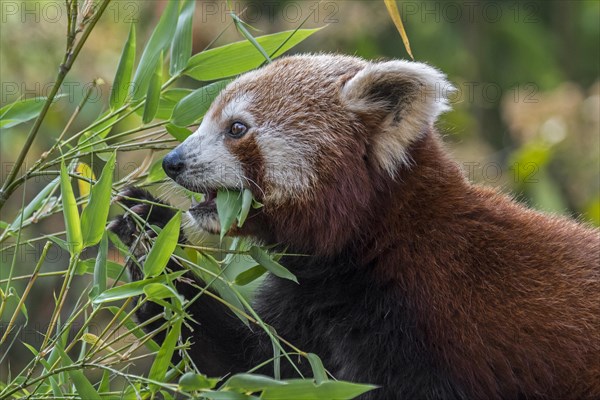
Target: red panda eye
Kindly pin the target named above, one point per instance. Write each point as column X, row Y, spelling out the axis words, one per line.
column 237, row 130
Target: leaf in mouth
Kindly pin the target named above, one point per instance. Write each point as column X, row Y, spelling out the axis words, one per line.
column 233, row 206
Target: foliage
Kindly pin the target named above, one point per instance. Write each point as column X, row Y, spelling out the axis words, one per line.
column 73, row 361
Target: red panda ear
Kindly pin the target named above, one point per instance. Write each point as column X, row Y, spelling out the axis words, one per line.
column 401, row 98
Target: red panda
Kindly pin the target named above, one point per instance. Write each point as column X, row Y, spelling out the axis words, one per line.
column 416, row 279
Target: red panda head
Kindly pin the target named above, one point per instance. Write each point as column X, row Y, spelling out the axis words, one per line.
column 308, row 135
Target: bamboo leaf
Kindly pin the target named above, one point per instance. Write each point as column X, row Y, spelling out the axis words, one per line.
column 159, row 291
column 134, row 288
column 100, row 268
column 317, row 367
column 22, row 111
column 236, row 58
column 239, row 24
column 168, row 100
column 84, row 388
column 229, row 205
column 163, row 247
column 251, row 383
column 225, row 292
column 191, row 381
column 177, row 132
column 193, row 107
column 300, row 389
column 212, row 395
column 34, row 204
column 250, row 275
column 153, row 96
column 245, row 209
column 70, row 212
column 261, row 257
column 392, row 8
column 113, row 269
column 104, row 383
column 156, row 172
column 181, row 49
column 120, row 88
column 94, row 216
column 158, row 42
column 161, row 363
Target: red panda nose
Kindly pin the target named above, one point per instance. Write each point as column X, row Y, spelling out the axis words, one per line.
column 173, row 164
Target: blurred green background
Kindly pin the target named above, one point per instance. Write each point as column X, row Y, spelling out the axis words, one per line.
column 526, row 117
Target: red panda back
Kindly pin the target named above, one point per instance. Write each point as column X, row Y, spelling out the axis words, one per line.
column 509, row 297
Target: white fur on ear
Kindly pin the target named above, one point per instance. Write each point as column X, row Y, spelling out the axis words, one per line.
column 403, row 98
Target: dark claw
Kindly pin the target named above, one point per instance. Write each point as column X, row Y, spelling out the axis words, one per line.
column 125, row 226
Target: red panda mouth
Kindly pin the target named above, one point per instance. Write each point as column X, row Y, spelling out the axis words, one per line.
column 207, row 202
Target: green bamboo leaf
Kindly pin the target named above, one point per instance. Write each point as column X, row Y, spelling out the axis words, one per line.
column 261, row 257
column 229, row 205
column 32, row 349
column 177, row 132
column 22, row 111
column 70, row 212
column 104, row 383
column 193, row 107
column 227, row 396
column 59, row 242
column 299, row 389
column 239, row 57
column 251, row 383
column 84, row 387
column 158, row 42
column 250, row 275
column 161, row 363
column 134, row 288
column 242, row 28
column 163, row 247
column 317, row 367
column 246, row 204
column 181, row 49
column 153, row 96
column 209, row 263
column 156, row 172
column 100, row 268
column 174, row 95
column 56, row 389
column 120, row 88
column 34, row 204
column 113, row 270
column 168, row 100
column 159, row 291
column 94, row 216
column 191, row 381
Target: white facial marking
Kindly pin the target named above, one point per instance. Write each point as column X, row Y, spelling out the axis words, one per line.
column 289, row 169
column 197, row 227
column 209, row 164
